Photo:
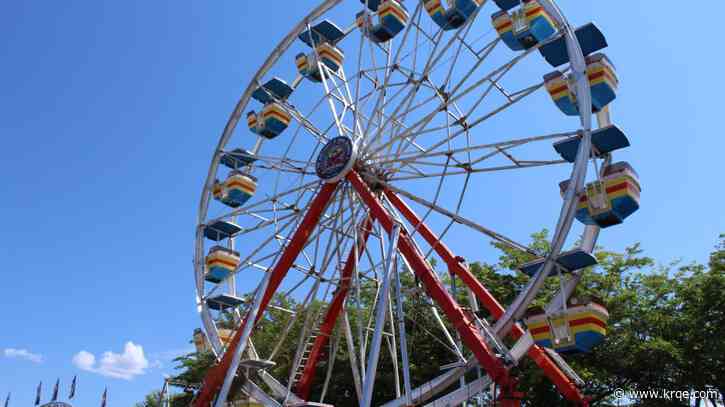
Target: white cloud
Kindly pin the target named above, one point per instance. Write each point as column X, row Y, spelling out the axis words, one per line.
column 23, row 354
column 84, row 360
column 131, row 363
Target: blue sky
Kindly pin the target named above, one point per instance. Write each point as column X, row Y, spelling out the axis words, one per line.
column 111, row 110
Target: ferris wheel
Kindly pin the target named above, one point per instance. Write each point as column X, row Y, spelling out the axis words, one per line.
column 381, row 134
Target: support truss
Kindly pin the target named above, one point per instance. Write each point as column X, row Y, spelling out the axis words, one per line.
column 461, row 320
column 457, row 266
column 456, row 315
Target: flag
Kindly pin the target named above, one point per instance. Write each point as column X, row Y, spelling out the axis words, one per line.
column 37, row 393
column 7, row 400
column 55, row 391
column 73, row 388
column 103, row 398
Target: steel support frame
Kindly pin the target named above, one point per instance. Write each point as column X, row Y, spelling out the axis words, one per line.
column 456, row 266
column 381, row 314
column 303, row 387
column 463, row 324
column 215, row 377
column 456, row 315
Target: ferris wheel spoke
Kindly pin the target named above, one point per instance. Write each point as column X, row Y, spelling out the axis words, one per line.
column 310, row 159
column 462, row 42
column 488, row 77
column 332, row 246
column 493, row 84
column 514, row 98
column 293, row 319
column 266, row 223
column 421, row 123
column 469, row 161
column 434, row 58
column 391, row 68
column 480, row 55
column 396, row 125
column 394, row 120
column 265, row 158
column 278, row 234
column 311, row 272
column 520, row 165
column 248, row 260
column 328, row 76
column 436, row 151
column 395, row 60
column 319, row 135
column 380, row 113
column 380, row 93
column 254, row 207
column 357, row 127
column 459, row 204
column 462, row 220
column 298, row 171
column 429, row 211
column 286, row 155
column 467, row 126
column 430, row 65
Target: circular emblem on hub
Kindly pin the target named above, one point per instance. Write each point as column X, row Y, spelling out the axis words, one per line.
column 335, row 159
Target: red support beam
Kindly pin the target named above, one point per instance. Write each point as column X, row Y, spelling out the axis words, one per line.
column 303, row 387
column 510, row 399
column 455, row 314
column 457, row 267
column 215, row 376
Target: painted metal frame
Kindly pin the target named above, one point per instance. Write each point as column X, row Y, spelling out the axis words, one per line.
column 506, row 318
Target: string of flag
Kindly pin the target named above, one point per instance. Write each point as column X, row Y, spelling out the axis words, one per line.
column 56, row 391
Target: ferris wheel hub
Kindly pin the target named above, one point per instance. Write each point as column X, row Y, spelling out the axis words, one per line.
column 336, row 159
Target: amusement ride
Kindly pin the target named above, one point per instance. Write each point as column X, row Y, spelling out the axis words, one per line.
column 378, row 140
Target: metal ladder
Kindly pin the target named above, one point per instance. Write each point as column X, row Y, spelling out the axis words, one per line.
column 305, row 355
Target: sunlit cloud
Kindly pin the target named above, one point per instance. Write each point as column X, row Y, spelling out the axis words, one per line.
column 127, row 365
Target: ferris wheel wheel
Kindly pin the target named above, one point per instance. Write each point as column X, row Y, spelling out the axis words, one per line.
column 381, row 134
